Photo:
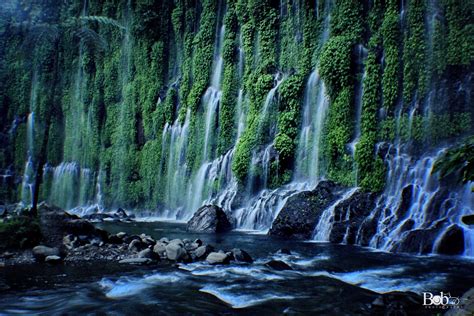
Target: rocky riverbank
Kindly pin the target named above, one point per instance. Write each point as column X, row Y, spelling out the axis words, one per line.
column 66, row 238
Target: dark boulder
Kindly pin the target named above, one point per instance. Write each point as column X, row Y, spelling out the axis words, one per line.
column 302, row 211
column 278, row 265
column 468, row 219
column 420, row 240
column 209, row 219
column 452, row 241
column 241, row 256
column 349, row 215
column 399, row 303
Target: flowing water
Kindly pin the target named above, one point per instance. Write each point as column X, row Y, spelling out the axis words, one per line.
column 326, row 281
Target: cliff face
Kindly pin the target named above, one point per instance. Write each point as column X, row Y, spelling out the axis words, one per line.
column 166, row 104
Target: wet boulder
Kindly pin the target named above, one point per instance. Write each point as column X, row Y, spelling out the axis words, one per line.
column 452, row 241
column 202, row 252
column 148, row 253
column 136, row 245
column 349, row 215
column 209, row 219
column 302, row 211
column 278, row 265
column 218, row 258
column 468, row 219
column 175, row 252
column 399, row 303
column 241, row 255
column 420, row 240
column 160, row 249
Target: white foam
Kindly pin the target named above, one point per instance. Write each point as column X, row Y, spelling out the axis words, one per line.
column 241, row 300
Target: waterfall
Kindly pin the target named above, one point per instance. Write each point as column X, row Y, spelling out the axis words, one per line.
column 415, row 202
column 174, row 142
column 315, row 109
column 29, row 174
column 361, row 57
column 72, row 186
column 325, row 223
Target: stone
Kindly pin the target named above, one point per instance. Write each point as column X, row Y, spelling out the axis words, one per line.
column 164, row 240
column 148, row 253
column 128, row 239
column 218, row 258
column 241, row 256
column 41, row 252
column 191, row 246
column 177, row 242
column 198, row 241
column 201, row 252
column 53, row 259
column 160, row 249
column 137, row 261
column 69, row 241
column 349, row 215
column 420, row 241
column 278, row 265
column 209, row 219
column 148, row 240
column 175, row 252
column 452, row 241
column 136, row 245
column 121, row 235
column 121, row 213
column 114, row 239
column 302, row 211
column 468, row 219
column 80, row 227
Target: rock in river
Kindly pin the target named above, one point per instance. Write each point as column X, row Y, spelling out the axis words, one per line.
column 302, row 211
column 209, row 219
column 218, row 258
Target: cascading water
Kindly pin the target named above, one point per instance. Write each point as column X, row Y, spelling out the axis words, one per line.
column 29, row 173
column 315, row 107
column 361, row 56
column 325, row 223
column 314, row 113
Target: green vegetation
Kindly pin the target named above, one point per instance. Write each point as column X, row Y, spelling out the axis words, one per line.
column 19, row 232
column 104, row 83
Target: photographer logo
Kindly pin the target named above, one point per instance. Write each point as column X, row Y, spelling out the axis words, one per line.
column 441, row 300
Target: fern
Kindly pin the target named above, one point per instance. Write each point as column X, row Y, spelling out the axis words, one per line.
column 91, row 38
column 457, row 162
column 103, row 20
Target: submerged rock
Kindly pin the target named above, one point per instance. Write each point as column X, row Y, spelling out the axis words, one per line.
column 302, row 211
column 278, row 265
column 209, row 219
column 136, row 261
